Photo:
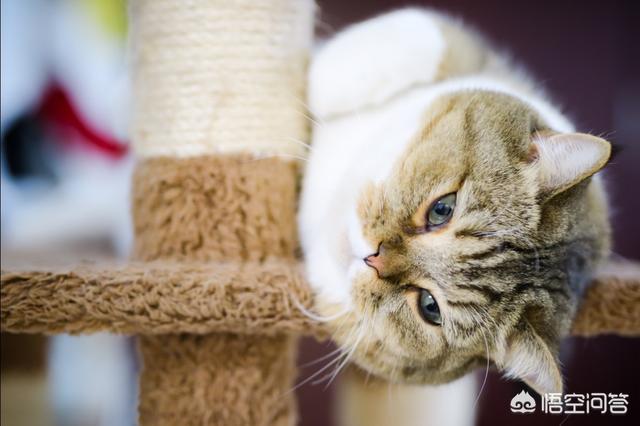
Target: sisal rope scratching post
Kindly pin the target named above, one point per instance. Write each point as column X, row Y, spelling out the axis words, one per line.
column 217, row 85
column 214, row 286
column 215, row 76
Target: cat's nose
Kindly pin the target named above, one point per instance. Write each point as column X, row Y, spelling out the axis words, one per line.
column 375, row 261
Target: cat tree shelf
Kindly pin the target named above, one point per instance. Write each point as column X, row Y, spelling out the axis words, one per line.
column 159, row 298
column 226, row 297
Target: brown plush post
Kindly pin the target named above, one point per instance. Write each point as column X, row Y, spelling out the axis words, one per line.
column 207, row 209
column 215, row 208
column 612, row 303
column 219, row 379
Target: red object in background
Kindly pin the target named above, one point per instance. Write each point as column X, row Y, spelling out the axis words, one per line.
column 57, row 110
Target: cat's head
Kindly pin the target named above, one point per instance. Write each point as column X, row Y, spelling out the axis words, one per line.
column 479, row 241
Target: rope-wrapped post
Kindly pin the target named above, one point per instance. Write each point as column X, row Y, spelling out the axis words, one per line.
column 219, row 113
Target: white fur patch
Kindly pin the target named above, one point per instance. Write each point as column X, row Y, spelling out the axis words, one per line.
column 371, row 61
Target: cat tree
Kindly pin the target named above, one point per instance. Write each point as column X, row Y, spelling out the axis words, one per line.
column 214, row 287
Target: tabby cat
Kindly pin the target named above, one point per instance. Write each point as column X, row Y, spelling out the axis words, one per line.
column 450, row 214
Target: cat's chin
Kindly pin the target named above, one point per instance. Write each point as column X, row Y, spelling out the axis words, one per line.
column 399, row 370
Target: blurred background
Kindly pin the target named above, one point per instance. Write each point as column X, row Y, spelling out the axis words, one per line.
column 65, row 171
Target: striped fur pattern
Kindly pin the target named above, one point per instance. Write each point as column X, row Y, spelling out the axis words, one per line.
column 529, row 227
column 508, row 263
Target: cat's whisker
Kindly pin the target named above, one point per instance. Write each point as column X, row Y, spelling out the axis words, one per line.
column 322, row 358
column 328, row 377
column 362, row 329
column 345, row 350
column 288, row 156
column 367, row 378
column 311, row 119
column 344, row 363
column 486, row 372
column 300, row 102
column 484, row 314
column 341, row 325
column 354, row 330
column 299, row 142
column 317, row 317
column 393, row 390
column 480, row 315
column 369, row 341
column 311, row 377
column 307, row 113
column 389, row 401
column 346, row 359
column 389, row 392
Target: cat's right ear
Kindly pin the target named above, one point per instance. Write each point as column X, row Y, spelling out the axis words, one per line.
column 566, row 159
column 529, row 358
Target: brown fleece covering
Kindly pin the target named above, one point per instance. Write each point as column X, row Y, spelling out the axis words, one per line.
column 227, row 209
column 218, row 379
column 612, row 303
column 249, row 298
column 159, row 297
column 214, row 208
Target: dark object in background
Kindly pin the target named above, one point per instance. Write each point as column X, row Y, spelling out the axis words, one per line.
column 33, row 141
column 25, row 353
column 24, row 149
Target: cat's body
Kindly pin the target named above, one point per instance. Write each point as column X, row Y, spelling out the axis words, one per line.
column 412, row 108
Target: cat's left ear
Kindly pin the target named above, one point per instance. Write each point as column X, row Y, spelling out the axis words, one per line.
column 563, row 160
column 529, row 358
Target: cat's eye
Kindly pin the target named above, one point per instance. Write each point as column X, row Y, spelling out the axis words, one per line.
column 429, row 308
column 441, row 211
